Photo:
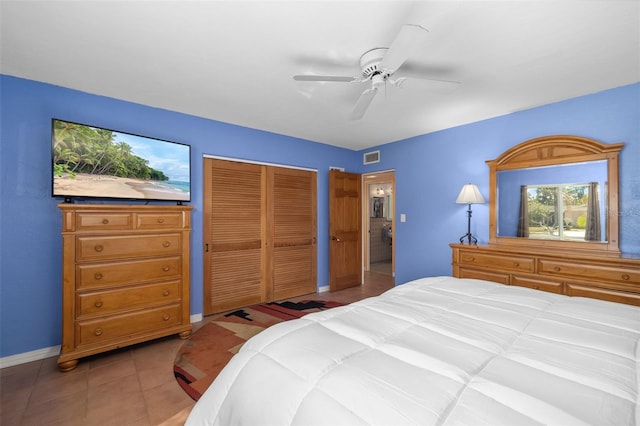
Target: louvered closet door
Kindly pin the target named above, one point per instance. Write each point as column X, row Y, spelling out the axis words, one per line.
column 234, row 224
column 259, row 234
column 292, row 229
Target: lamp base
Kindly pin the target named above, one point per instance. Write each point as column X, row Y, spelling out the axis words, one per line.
column 470, row 238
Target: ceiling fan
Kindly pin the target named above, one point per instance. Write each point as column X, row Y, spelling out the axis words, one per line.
column 379, row 65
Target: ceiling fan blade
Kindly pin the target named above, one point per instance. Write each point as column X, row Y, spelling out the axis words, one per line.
column 334, row 78
column 363, row 103
column 423, row 83
column 405, row 43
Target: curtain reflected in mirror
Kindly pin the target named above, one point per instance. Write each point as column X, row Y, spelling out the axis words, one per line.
column 564, row 212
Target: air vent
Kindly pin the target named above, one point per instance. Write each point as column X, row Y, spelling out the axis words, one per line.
column 371, row 157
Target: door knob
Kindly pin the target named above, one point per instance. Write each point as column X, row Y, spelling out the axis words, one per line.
column 334, row 238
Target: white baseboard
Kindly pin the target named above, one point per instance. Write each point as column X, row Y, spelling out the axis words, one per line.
column 195, row 318
column 323, row 289
column 25, row 357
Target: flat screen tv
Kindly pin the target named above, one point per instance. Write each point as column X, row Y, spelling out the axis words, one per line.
column 94, row 162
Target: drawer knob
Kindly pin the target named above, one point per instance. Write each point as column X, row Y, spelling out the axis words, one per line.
column 98, row 304
column 166, row 244
column 98, row 332
column 556, row 268
column 98, row 248
column 165, row 293
column 516, row 264
column 166, row 268
column 160, row 220
column 625, row 277
column 97, row 276
column 165, row 317
column 105, row 221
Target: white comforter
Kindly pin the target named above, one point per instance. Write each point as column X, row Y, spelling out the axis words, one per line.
column 438, row 350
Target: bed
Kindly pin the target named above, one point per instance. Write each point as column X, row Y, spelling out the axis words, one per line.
column 438, row 351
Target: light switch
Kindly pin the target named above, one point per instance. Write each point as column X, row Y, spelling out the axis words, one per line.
column 403, row 217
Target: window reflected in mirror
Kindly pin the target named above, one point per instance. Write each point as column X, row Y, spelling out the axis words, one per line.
column 563, row 212
column 560, row 202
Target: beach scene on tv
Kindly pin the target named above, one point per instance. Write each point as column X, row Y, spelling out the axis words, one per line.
column 95, row 162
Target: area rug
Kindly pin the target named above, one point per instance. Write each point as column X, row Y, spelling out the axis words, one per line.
column 209, row 349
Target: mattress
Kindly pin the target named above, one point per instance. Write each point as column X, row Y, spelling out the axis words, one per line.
column 438, row 351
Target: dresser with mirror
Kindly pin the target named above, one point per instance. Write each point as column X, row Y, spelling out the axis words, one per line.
column 554, row 222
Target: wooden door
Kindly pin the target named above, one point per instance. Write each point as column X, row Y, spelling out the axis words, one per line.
column 259, row 234
column 292, row 230
column 235, row 230
column 345, row 218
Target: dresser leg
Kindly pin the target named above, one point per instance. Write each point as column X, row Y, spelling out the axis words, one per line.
column 185, row 334
column 67, row 365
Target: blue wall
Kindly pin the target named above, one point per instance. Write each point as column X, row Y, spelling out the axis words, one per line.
column 30, row 222
column 430, row 170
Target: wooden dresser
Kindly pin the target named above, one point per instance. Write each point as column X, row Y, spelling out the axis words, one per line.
column 616, row 279
column 125, row 272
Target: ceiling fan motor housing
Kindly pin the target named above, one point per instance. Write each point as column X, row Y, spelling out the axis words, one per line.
column 370, row 62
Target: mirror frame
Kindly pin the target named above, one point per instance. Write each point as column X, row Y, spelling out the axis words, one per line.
column 558, row 150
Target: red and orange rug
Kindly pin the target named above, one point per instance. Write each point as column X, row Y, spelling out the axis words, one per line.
column 209, row 349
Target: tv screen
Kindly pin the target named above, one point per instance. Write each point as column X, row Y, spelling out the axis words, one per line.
column 93, row 162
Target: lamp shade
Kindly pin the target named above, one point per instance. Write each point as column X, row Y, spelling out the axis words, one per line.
column 470, row 194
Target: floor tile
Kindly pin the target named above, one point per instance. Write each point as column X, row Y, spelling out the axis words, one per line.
column 129, row 386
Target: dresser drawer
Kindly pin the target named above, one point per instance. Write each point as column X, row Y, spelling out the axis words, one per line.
column 126, row 325
column 538, row 284
column 594, row 272
column 113, row 274
column 109, row 302
column 610, row 294
column 104, row 221
column 484, row 275
column 512, row 263
column 150, row 221
column 97, row 248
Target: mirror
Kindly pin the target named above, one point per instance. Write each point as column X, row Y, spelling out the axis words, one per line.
column 563, row 202
column 556, row 190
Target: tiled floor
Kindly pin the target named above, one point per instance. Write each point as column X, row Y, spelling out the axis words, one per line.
column 130, row 386
column 384, row 267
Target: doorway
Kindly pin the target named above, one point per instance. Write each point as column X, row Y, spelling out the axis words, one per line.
column 379, row 221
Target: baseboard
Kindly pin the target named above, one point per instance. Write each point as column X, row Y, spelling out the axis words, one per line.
column 195, row 318
column 25, row 357
column 323, row 289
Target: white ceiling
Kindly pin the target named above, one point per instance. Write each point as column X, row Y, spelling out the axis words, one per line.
column 233, row 61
